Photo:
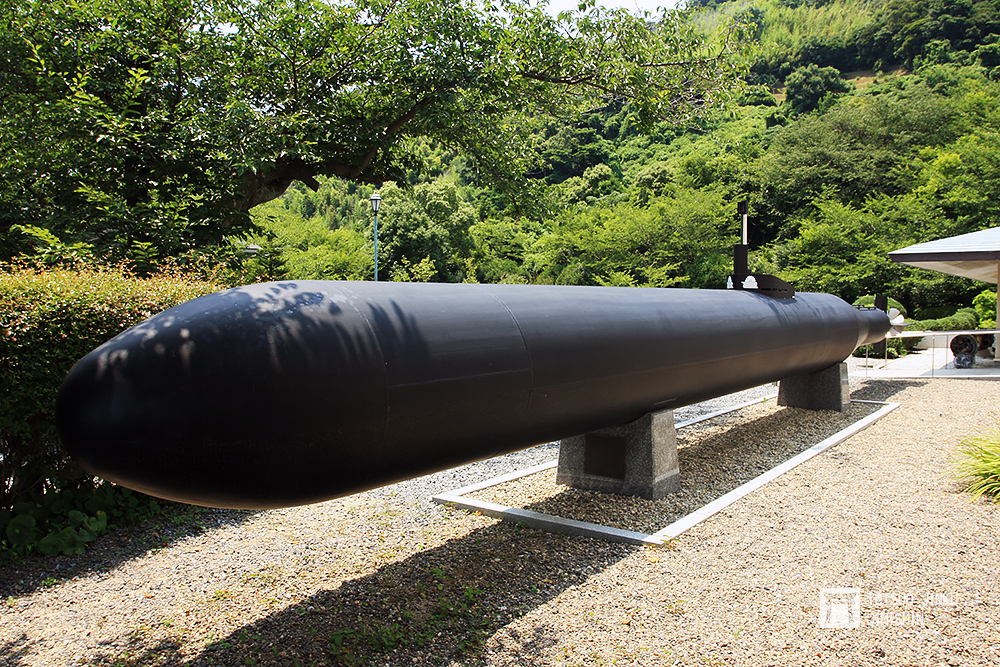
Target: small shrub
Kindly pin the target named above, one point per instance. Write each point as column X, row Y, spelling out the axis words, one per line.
column 50, row 318
column 985, row 304
column 979, row 465
column 757, row 96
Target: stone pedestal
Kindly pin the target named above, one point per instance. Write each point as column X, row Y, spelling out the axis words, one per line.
column 827, row 389
column 635, row 459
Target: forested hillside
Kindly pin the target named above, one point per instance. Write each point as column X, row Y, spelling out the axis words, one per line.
column 864, row 127
column 861, row 126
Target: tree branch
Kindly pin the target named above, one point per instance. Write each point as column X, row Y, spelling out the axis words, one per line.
column 390, row 130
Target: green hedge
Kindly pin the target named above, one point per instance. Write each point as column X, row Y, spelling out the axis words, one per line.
column 963, row 320
column 50, row 318
column 935, row 312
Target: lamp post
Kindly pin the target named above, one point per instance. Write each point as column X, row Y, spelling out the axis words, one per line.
column 740, row 263
column 743, row 208
column 376, row 200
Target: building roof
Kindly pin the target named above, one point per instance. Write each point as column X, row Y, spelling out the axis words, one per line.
column 975, row 255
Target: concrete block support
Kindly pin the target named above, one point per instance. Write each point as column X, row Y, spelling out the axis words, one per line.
column 827, row 389
column 635, row 459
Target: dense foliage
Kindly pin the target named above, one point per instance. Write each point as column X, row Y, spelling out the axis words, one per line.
column 853, row 35
column 151, row 127
column 904, row 159
column 49, row 318
column 839, row 169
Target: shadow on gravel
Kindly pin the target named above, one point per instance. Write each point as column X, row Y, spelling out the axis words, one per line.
column 876, row 389
column 114, row 547
column 435, row 607
column 715, row 462
column 12, row 652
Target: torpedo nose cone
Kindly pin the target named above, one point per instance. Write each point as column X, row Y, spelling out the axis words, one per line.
column 232, row 400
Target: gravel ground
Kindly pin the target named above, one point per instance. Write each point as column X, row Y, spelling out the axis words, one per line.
column 385, row 577
column 715, row 457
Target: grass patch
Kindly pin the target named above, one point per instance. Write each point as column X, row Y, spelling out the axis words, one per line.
column 444, row 610
column 979, row 465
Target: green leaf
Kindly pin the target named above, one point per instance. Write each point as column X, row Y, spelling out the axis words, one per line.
column 21, row 530
column 96, row 524
column 24, row 508
column 50, row 545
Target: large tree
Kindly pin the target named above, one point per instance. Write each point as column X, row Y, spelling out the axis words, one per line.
column 125, row 123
